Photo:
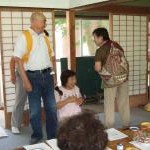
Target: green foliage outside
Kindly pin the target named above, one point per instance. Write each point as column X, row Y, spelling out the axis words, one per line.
column 87, row 27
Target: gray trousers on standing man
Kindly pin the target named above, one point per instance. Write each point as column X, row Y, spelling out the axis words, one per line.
column 21, row 97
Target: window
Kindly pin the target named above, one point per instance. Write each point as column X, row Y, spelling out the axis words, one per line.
column 61, row 43
column 61, row 37
column 85, row 45
column 84, row 42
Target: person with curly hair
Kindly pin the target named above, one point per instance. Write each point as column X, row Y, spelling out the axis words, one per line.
column 82, row 132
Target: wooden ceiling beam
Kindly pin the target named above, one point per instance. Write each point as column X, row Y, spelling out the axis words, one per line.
column 120, row 9
column 100, row 4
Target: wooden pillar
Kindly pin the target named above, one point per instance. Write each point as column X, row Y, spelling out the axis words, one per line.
column 70, row 16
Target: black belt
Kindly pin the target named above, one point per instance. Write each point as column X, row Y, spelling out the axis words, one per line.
column 40, row 71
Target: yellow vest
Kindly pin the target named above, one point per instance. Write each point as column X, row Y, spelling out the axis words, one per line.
column 29, row 42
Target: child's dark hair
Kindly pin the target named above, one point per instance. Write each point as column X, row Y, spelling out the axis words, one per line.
column 102, row 32
column 59, row 91
column 65, row 75
column 64, row 79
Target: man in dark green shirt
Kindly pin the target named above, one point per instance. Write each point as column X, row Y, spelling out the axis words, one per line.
column 111, row 94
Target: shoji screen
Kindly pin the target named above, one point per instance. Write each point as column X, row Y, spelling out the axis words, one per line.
column 12, row 23
column 131, row 32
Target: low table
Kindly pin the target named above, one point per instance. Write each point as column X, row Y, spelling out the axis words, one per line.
column 113, row 144
column 125, row 141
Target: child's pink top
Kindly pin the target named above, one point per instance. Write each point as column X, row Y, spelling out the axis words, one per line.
column 71, row 108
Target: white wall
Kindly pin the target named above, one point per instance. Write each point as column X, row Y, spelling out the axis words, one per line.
column 61, row 4
column 36, row 3
column 76, row 3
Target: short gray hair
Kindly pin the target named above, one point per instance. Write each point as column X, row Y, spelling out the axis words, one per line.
column 37, row 16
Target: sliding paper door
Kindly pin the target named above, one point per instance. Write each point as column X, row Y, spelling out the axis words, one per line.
column 130, row 31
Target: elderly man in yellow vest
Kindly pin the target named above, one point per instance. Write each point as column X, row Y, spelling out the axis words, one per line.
column 33, row 49
column 21, row 94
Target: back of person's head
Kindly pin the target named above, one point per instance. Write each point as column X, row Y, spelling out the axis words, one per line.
column 82, row 132
column 101, row 32
column 65, row 75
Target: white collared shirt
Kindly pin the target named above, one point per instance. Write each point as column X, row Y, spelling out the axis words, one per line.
column 39, row 57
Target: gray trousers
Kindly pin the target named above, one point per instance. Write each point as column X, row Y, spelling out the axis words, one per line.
column 21, row 97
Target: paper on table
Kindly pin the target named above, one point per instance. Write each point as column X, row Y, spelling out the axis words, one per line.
column 142, row 146
column 2, row 133
column 53, row 144
column 40, row 146
column 107, row 148
column 114, row 134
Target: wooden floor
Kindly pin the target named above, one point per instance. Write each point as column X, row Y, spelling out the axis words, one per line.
column 138, row 115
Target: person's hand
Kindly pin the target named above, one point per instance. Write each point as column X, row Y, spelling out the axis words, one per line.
column 27, row 85
column 72, row 99
column 79, row 101
column 13, row 79
column 97, row 66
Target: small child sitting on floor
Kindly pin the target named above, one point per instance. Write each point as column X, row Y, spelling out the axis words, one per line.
column 68, row 96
